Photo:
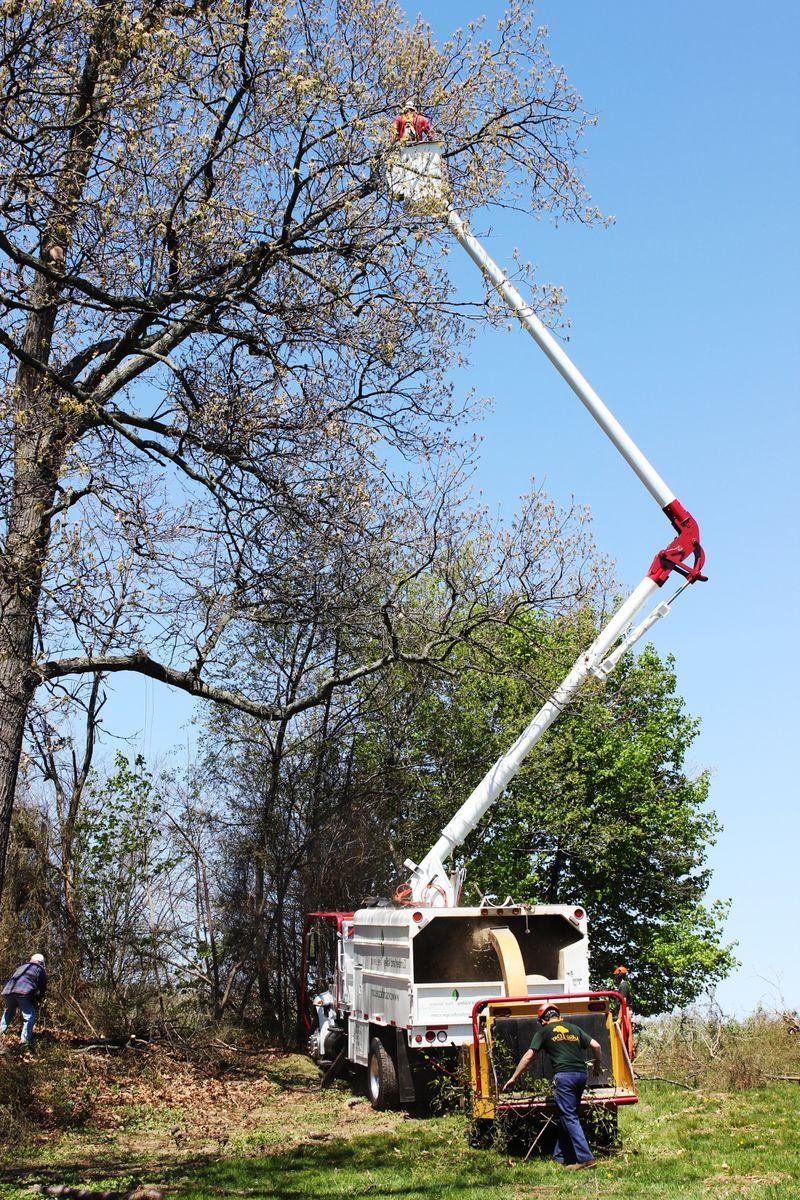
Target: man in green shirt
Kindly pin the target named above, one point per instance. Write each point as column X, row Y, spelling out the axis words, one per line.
column 565, row 1045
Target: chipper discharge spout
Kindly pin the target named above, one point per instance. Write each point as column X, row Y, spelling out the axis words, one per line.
column 512, row 965
column 416, row 175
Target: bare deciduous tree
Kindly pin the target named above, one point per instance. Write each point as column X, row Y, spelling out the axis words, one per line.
column 217, row 330
column 304, row 820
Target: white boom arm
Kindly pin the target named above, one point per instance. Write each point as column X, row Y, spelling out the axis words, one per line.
column 416, row 175
column 563, row 364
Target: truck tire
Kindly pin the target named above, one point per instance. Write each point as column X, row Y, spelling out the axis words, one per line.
column 382, row 1087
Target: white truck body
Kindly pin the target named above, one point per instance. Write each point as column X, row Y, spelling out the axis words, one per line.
column 421, row 970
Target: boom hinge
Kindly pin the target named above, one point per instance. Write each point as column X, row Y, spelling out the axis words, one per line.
column 682, row 547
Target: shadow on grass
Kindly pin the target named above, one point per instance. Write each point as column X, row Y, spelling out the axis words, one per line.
column 290, row 1074
column 369, row 1166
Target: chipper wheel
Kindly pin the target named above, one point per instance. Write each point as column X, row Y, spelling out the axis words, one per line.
column 382, row 1087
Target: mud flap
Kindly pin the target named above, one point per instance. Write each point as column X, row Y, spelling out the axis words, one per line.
column 405, row 1080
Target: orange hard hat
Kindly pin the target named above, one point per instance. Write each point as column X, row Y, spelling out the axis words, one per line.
column 546, row 1008
column 620, row 970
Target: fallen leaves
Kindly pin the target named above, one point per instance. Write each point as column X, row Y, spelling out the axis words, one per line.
column 75, row 1193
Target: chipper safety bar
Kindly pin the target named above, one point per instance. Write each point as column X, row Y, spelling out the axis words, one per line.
column 502, row 1029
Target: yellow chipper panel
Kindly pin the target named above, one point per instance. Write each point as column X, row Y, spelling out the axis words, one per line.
column 502, row 1031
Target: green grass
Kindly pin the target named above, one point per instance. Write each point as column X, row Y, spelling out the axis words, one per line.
column 678, row 1145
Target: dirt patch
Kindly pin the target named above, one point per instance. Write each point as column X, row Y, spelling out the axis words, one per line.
column 157, row 1103
column 724, row 1186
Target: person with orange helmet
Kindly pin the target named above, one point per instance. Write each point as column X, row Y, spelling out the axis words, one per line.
column 565, row 1046
column 621, row 983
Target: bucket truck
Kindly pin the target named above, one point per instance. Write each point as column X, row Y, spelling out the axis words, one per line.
column 412, row 984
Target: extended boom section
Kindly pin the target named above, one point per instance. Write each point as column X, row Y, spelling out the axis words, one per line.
column 429, row 881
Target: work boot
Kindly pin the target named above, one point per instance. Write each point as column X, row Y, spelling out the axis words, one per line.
column 584, row 1166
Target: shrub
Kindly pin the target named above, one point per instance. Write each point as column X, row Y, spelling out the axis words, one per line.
column 705, row 1049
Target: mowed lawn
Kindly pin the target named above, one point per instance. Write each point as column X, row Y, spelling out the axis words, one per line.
column 296, row 1141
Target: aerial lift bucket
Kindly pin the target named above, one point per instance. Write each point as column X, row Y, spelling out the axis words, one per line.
column 416, row 174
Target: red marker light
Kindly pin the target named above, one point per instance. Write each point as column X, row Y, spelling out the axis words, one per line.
column 578, row 913
column 416, row 916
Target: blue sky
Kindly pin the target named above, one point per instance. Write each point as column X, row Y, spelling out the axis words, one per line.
column 684, row 317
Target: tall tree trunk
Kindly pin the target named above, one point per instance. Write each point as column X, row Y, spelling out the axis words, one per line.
column 43, row 424
column 263, row 881
column 38, row 459
column 554, row 877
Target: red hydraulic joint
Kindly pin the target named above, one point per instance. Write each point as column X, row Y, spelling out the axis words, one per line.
column 682, row 547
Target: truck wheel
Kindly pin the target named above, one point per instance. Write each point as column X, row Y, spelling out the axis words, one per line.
column 382, row 1086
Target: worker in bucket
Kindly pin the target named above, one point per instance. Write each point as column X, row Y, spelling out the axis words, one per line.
column 410, row 126
column 23, row 993
column 565, row 1046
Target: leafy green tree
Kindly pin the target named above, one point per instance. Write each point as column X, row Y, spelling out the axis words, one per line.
column 120, row 861
column 604, row 814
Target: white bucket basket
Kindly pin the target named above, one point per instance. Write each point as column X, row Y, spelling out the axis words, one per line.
column 416, row 175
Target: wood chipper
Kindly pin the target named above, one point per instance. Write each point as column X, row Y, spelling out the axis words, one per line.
column 502, row 1030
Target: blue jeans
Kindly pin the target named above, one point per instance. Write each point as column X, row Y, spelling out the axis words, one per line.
column 28, row 1010
column 571, row 1145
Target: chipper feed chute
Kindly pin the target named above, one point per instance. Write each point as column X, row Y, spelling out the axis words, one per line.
column 502, row 1031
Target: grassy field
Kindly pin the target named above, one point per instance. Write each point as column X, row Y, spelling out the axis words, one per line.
column 263, row 1129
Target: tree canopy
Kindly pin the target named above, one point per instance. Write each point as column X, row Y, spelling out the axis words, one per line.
column 217, row 331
